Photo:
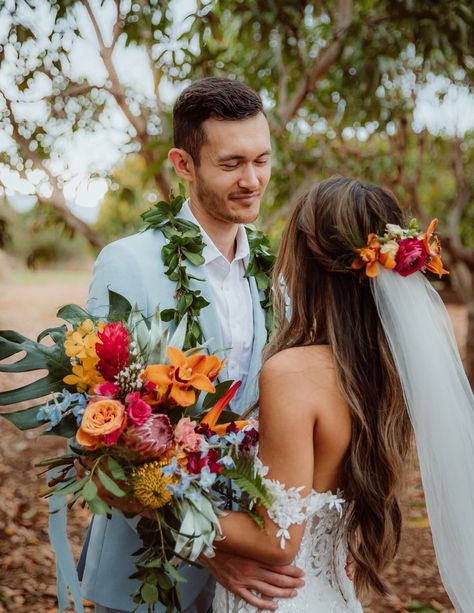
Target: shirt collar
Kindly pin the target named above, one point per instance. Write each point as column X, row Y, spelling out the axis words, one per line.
column 211, row 252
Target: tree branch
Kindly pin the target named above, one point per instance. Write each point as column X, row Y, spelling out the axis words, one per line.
column 117, row 26
column 326, row 60
column 118, row 92
column 57, row 200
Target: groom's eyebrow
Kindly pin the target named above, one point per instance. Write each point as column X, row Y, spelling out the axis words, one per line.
column 235, row 156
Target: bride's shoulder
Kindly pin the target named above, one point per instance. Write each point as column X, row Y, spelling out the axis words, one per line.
column 303, row 362
column 301, row 357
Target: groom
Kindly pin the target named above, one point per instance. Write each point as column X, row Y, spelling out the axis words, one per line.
column 223, row 151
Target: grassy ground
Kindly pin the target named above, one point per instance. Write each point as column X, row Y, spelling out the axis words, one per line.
column 28, row 303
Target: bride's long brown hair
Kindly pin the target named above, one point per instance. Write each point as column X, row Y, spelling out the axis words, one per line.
column 332, row 304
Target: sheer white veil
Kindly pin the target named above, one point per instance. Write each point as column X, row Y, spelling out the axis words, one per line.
column 441, row 408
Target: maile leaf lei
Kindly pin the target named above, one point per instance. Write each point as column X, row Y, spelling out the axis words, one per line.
column 185, row 243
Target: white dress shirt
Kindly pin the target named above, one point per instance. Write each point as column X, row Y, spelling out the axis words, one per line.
column 231, row 297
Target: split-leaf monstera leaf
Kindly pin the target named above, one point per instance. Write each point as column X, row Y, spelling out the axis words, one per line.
column 50, row 357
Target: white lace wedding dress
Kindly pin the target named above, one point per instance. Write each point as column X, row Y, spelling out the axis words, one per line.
column 322, row 554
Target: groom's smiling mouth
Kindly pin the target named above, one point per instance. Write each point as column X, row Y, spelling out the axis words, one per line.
column 245, row 198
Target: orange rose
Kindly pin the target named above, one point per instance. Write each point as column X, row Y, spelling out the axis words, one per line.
column 102, row 423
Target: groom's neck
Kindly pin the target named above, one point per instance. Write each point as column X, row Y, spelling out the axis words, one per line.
column 222, row 233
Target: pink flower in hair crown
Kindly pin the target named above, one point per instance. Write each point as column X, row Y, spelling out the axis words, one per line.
column 411, row 256
column 404, row 250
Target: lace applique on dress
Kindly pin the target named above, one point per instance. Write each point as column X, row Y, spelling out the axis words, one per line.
column 289, row 507
column 322, row 554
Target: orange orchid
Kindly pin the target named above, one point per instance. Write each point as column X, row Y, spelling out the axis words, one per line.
column 433, row 248
column 368, row 256
column 211, row 417
column 174, row 381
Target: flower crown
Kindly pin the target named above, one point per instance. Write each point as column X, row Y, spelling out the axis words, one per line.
column 405, row 250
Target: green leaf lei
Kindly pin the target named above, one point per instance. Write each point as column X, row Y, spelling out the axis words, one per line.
column 185, row 243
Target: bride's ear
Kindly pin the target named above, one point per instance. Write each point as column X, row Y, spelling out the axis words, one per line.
column 182, row 163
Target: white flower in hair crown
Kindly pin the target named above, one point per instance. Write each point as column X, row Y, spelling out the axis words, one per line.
column 404, row 250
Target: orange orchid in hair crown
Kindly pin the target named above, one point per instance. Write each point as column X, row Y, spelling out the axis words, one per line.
column 405, row 250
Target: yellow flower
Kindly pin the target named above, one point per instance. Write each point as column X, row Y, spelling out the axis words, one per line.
column 80, row 343
column 149, row 485
column 85, row 379
column 86, row 327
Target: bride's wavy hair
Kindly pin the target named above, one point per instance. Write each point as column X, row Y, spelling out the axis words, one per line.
column 319, row 299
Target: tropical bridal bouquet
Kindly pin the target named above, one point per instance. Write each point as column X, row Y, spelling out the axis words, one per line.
column 148, row 423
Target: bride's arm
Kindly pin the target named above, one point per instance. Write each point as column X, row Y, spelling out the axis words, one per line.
column 287, row 421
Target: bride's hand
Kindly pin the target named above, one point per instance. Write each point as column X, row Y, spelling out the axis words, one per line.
column 243, row 577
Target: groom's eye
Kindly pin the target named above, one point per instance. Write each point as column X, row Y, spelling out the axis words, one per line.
column 230, row 166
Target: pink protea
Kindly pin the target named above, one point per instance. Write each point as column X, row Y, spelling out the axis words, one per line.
column 112, row 350
column 150, row 439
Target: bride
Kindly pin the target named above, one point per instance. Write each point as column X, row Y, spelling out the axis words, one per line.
column 365, row 353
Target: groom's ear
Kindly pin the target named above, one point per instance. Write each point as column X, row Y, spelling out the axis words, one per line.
column 182, row 163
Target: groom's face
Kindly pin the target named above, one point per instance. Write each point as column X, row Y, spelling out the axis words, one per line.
column 234, row 169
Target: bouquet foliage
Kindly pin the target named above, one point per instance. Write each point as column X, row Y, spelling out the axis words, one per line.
column 147, row 422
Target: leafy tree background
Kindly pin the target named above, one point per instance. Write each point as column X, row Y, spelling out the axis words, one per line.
column 339, row 78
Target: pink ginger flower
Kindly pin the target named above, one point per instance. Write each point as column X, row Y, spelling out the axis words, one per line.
column 112, row 350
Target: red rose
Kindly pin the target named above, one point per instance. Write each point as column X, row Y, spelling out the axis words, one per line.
column 411, row 256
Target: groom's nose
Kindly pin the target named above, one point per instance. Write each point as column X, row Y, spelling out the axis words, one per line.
column 249, row 178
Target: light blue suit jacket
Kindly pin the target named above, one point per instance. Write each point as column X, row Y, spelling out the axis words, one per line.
column 133, row 267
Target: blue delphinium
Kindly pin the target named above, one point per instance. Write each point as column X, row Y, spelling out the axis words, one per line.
column 54, row 410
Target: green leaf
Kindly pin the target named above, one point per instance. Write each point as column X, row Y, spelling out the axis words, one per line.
column 72, row 488
column 66, row 428
column 38, row 356
column 110, row 484
column 256, row 517
column 211, row 399
column 195, row 258
column 24, row 419
column 90, row 490
column 244, row 477
column 174, row 573
column 167, row 314
column 156, row 563
column 119, row 307
column 149, row 593
column 98, row 506
column 115, row 469
column 57, row 334
column 74, row 314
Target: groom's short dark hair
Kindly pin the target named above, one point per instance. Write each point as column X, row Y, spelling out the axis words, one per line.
column 206, row 98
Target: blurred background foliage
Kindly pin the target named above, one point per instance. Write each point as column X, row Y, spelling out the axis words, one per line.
column 339, row 78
